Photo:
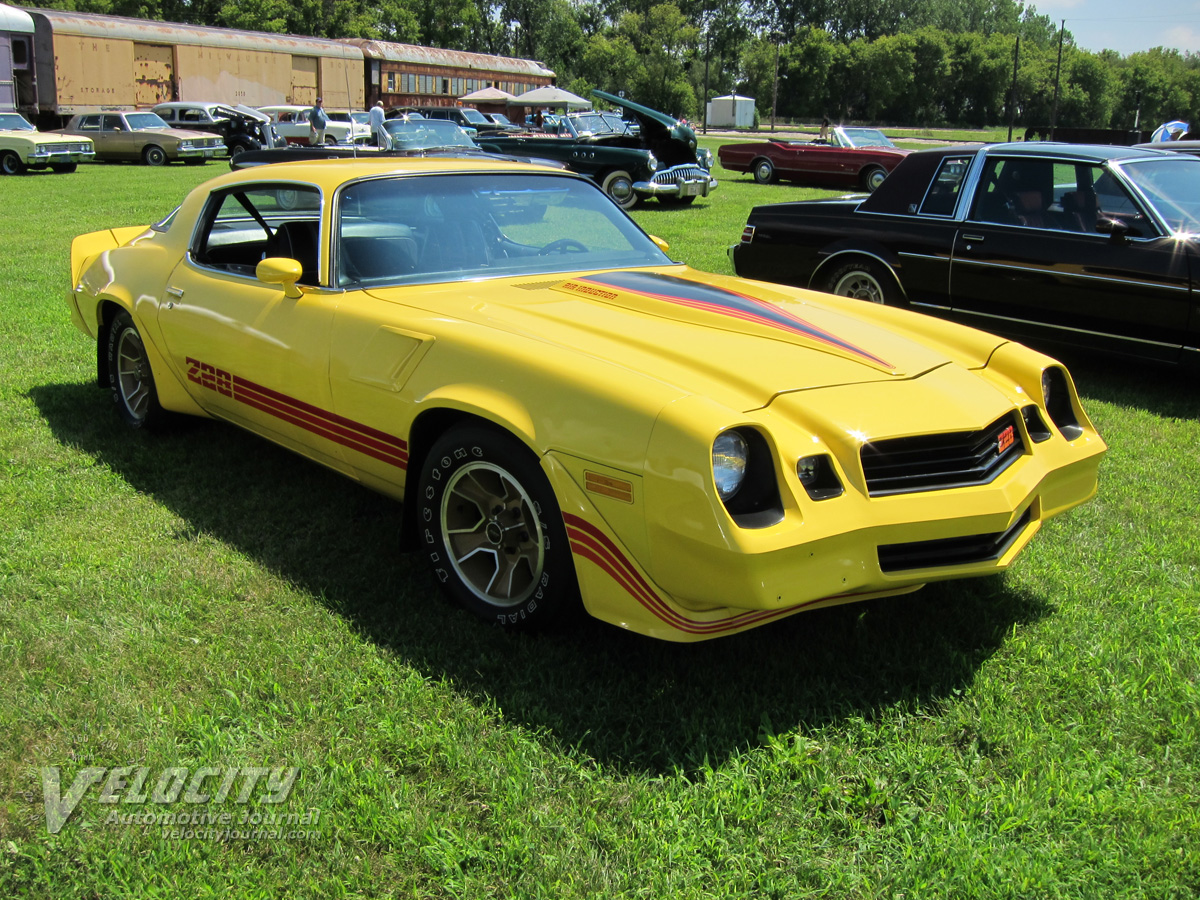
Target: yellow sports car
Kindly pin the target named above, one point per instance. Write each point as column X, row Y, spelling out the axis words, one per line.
column 570, row 415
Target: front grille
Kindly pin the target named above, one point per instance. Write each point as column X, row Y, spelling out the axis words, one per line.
column 676, row 174
column 936, row 462
column 955, row 551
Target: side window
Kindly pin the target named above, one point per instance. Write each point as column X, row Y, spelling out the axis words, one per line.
column 943, row 193
column 113, row 123
column 89, row 123
column 1016, row 192
column 243, row 227
column 167, row 115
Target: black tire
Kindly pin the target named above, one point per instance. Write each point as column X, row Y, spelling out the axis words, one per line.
column 64, row 168
column 872, row 178
column 10, row 163
column 331, row 139
column 129, row 375
column 863, row 279
column 196, row 161
column 764, row 171
column 154, row 155
column 492, row 530
column 618, row 184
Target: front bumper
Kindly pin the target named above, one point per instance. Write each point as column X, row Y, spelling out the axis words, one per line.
column 64, row 155
column 198, row 152
column 687, row 180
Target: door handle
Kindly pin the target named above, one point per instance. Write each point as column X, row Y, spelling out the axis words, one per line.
column 972, row 237
column 175, row 292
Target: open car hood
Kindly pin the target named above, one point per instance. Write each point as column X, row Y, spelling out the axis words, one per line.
column 654, row 123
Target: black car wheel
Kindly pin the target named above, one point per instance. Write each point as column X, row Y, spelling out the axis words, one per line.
column 492, row 530
column 154, row 155
column 863, row 279
column 764, row 171
column 619, row 186
column 10, row 163
column 129, row 375
column 872, row 178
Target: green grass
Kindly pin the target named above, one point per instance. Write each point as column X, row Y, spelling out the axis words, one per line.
column 201, row 598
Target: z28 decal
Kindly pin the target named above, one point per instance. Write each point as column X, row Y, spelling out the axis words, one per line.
column 332, row 427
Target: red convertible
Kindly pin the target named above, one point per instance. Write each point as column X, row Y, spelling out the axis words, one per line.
column 849, row 157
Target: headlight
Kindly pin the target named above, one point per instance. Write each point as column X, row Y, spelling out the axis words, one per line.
column 185, row 145
column 818, row 477
column 705, row 158
column 43, row 149
column 729, row 454
column 1056, row 394
column 652, row 163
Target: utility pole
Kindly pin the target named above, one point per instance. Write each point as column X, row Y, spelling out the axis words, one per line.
column 1057, row 71
column 775, row 90
column 1012, row 94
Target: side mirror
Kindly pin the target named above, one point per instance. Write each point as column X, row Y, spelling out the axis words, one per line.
column 1117, row 229
column 278, row 270
column 660, row 243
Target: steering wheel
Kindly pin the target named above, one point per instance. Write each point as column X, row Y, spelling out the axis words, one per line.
column 563, row 245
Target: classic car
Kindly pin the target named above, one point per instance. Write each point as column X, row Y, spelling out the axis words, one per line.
column 662, row 161
column 24, row 147
column 133, row 135
column 291, row 122
column 1066, row 244
column 467, row 118
column 569, row 415
column 850, row 157
column 241, row 127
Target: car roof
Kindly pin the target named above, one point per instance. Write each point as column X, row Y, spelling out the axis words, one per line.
column 332, row 172
column 1059, row 150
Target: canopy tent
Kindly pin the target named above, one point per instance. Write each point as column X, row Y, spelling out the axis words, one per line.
column 550, row 96
column 487, row 95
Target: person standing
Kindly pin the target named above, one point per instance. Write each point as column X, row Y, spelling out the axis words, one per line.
column 376, row 121
column 317, row 120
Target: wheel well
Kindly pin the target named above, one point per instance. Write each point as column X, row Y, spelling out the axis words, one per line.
column 104, row 316
column 426, row 429
column 838, row 259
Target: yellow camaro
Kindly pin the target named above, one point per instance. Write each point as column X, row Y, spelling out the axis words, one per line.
column 578, row 417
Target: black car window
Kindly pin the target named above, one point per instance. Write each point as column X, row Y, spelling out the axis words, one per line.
column 243, row 226
column 944, row 189
column 113, row 123
column 1016, row 191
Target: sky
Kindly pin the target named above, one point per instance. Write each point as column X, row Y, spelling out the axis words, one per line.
column 1127, row 26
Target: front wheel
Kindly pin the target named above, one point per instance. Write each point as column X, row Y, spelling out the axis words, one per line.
column 64, row 168
column 863, row 279
column 10, row 163
column 492, row 530
column 872, row 178
column 129, row 375
column 670, row 200
column 764, row 171
column 619, row 186
column 154, row 155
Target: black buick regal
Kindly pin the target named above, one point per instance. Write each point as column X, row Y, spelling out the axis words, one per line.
column 1081, row 245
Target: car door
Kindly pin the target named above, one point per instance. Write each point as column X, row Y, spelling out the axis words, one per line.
column 89, row 126
column 1029, row 262
column 250, row 353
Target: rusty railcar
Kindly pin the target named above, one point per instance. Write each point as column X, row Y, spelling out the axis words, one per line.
column 16, row 58
column 88, row 63
column 408, row 75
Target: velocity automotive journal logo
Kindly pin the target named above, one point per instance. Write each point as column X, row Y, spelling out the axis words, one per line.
column 203, row 787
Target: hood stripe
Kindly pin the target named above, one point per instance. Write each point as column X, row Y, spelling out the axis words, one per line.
column 707, row 298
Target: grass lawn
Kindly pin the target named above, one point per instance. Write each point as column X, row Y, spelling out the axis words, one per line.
column 202, row 599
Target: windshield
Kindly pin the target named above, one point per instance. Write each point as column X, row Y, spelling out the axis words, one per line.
column 424, row 134
column 14, row 122
column 500, row 119
column 867, row 137
column 140, row 121
column 437, row 228
column 474, row 116
column 599, row 123
column 1173, row 188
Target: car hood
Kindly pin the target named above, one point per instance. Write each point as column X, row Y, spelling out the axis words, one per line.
column 656, row 126
column 739, row 342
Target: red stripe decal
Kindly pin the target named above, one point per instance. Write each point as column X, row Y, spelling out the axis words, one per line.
column 330, row 426
column 592, row 544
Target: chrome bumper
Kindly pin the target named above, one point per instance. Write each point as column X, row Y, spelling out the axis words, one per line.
column 678, row 181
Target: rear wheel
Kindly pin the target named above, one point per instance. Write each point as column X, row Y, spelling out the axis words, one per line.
column 492, row 529
column 10, row 163
column 619, row 186
column 129, row 375
column 764, row 171
column 154, row 155
column 872, row 178
column 863, row 279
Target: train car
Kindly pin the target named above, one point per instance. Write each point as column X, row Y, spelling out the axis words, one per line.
column 16, row 57
column 407, row 75
column 89, row 63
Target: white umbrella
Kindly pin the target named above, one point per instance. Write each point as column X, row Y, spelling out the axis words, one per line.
column 488, row 95
column 1169, row 131
column 550, row 96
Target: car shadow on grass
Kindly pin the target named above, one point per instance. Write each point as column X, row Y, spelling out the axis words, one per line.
column 1162, row 390
column 626, row 701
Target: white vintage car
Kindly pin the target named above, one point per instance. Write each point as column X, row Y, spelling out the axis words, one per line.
column 291, row 123
column 24, row 147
